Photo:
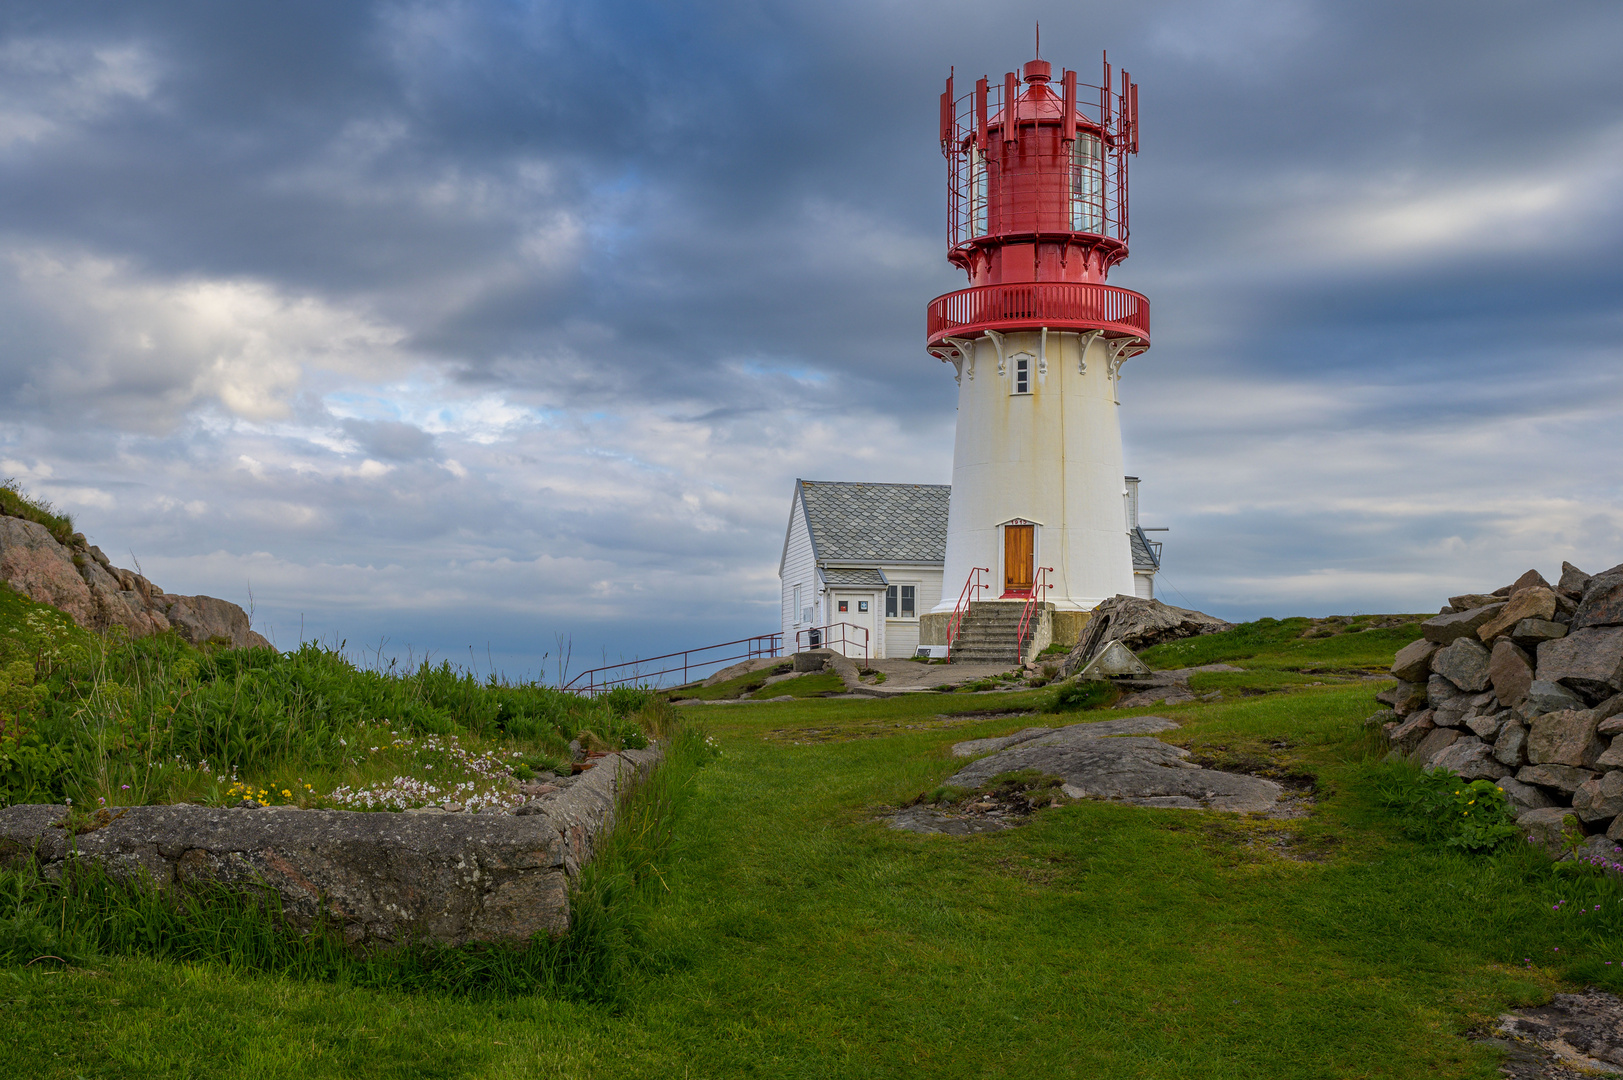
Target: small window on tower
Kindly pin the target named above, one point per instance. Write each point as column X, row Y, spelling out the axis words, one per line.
column 1022, row 374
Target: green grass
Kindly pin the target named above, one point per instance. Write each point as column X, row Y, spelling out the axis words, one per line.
column 104, row 720
column 82, row 918
column 814, row 684
column 1292, row 644
column 728, row 689
column 799, row 937
column 754, row 685
column 16, row 502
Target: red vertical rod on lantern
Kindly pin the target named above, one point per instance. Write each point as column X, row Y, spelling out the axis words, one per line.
column 1068, row 127
column 980, row 115
column 1011, row 123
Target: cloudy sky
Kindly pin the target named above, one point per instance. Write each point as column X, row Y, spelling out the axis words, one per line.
column 476, row 324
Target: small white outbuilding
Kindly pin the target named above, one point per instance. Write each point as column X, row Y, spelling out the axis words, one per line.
column 865, row 555
column 862, row 563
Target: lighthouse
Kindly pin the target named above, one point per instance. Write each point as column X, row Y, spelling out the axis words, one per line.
column 1037, row 218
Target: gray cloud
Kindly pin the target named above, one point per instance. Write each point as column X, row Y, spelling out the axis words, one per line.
column 422, row 316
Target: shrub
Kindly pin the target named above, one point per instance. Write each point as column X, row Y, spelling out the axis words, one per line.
column 1440, row 807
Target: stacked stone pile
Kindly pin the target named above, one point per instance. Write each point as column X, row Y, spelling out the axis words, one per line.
column 1524, row 686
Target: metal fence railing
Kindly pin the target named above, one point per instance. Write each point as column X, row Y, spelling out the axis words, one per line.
column 689, row 664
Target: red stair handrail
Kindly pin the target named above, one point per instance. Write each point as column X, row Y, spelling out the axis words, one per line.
column 1038, row 587
column 827, row 640
column 962, row 606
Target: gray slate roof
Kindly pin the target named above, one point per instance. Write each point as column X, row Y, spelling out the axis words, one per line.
column 874, row 579
column 878, row 522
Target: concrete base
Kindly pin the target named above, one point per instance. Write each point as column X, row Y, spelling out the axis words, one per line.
column 1068, row 627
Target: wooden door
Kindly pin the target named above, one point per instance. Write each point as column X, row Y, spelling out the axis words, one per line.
column 1017, row 561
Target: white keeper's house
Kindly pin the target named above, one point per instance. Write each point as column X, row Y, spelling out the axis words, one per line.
column 870, row 557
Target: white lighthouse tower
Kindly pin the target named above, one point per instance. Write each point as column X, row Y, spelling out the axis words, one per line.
column 1037, row 217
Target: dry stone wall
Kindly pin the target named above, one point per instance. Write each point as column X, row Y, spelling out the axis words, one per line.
column 80, row 580
column 385, row 878
column 1524, row 686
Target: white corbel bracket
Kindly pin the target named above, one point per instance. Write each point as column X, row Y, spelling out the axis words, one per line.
column 966, row 356
column 1120, row 350
column 949, row 355
column 1042, row 353
column 1084, row 339
column 997, row 343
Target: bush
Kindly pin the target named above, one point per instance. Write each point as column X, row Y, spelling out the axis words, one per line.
column 1440, row 807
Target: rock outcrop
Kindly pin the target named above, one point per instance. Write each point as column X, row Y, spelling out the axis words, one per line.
column 1523, row 686
column 1137, row 623
column 80, row 580
column 1116, row 760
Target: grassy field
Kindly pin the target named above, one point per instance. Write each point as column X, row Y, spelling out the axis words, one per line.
column 793, row 935
column 105, row 722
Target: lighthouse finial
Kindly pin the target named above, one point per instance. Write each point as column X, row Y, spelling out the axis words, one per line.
column 1039, row 54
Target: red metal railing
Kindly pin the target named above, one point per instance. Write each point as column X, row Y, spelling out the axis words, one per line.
column 967, row 595
column 1038, row 587
column 1058, row 305
column 827, row 640
column 597, row 680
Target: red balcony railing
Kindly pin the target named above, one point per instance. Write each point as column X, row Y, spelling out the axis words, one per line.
column 1058, row 305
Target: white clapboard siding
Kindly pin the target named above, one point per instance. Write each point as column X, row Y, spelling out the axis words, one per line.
column 797, row 567
column 901, row 636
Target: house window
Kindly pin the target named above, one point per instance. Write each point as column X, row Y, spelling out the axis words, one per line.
column 901, row 601
column 862, row 605
column 800, row 613
column 845, row 605
column 1022, row 374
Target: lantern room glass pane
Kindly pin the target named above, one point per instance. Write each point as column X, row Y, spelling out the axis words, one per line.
column 977, row 193
column 1087, row 184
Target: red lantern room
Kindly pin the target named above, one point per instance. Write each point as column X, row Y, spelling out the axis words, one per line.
column 1037, row 208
